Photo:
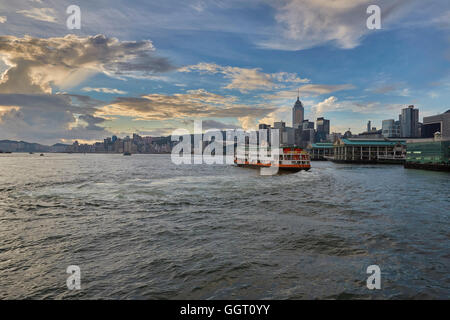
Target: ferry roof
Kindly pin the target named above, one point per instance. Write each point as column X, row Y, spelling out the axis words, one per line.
column 371, row 142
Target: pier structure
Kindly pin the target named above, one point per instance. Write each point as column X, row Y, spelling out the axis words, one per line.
column 369, row 151
column 320, row 150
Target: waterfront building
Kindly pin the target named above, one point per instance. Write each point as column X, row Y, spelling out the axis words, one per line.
column 279, row 125
column 320, row 150
column 348, row 134
column 369, row 150
column 390, row 128
column 430, row 154
column 438, row 123
column 332, row 137
column 298, row 114
column 373, row 134
column 409, row 122
column 263, row 126
column 306, row 124
column 307, row 136
column 323, row 129
column 288, row 136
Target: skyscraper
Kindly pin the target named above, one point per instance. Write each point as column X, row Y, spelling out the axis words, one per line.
column 390, row 128
column 323, row 129
column 298, row 113
column 409, row 122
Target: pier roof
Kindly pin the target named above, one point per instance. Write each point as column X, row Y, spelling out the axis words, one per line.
column 375, row 143
column 322, row 145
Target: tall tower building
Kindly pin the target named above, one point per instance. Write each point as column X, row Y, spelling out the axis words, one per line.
column 409, row 122
column 298, row 113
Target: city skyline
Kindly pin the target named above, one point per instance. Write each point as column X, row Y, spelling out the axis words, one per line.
column 129, row 70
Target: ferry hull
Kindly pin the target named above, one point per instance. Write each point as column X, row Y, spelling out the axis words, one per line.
column 281, row 168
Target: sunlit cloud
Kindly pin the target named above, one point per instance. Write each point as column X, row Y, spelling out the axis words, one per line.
column 303, row 24
column 36, row 64
column 103, row 90
column 246, row 79
column 41, row 14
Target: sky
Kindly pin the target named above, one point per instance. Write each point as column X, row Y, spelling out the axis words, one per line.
column 150, row 67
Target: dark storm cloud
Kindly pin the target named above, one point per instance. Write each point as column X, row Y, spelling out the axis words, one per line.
column 48, row 118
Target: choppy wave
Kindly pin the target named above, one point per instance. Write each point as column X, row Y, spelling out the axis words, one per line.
column 142, row 228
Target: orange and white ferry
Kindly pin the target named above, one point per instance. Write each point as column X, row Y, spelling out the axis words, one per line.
column 292, row 159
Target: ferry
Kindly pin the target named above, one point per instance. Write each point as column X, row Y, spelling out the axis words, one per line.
column 292, row 159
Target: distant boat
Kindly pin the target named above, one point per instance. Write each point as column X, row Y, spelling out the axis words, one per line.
column 127, row 153
column 8, row 152
column 41, row 154
column 31, row 152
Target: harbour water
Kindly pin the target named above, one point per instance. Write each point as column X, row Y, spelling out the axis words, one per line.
column 141, row 227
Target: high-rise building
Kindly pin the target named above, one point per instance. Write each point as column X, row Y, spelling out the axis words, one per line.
column 369, row 124
column 409, row 122
column 263, row 126
column 323, row 129
column 306, row 124
column 279, row 125
column 390, row 128
column 298, row 113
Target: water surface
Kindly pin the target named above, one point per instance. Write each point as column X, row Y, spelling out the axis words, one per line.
column 140, row 227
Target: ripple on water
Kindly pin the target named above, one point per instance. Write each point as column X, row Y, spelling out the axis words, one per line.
column 142, row 227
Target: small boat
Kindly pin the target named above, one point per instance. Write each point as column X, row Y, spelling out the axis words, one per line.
column 127, row 153
column 41, row 155
column 31, row 152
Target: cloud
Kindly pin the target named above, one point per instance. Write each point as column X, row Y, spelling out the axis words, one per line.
column 92, row 122
column 41, row 14
column 303, row 24
column 246, row 79
column 3, row 19
column 157, row 132
column 324, row 88
column 392, row 89
column 443, row 20
column 193, row 104
column 212, row 124
column 331, row 104
column 35, row 64
column 280, row 114
column 49, row 118
column 307, row 90
column 326, row 105
column 103, row 90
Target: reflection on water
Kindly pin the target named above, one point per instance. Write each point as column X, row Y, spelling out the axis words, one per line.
column 141, row 227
